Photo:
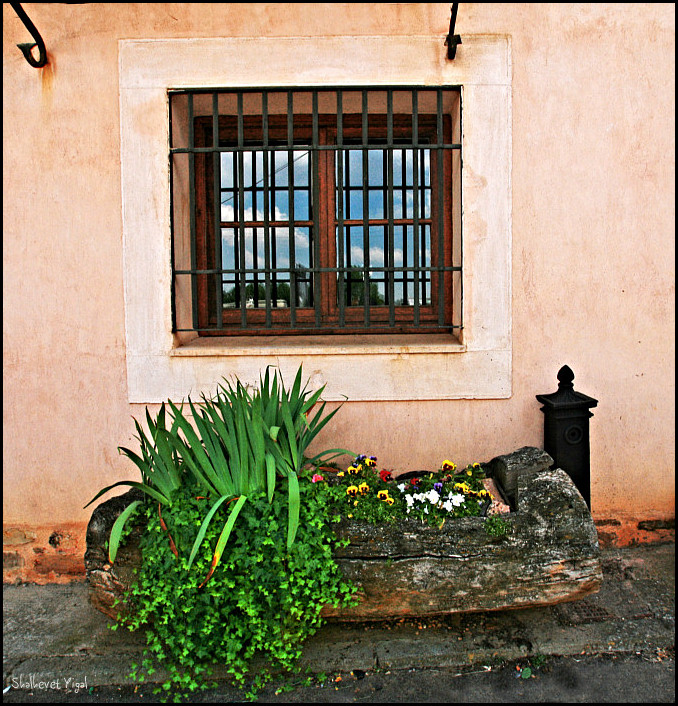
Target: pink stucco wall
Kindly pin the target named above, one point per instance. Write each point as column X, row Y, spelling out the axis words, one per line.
column 593, row 142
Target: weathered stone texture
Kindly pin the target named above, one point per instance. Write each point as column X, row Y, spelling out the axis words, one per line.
column 507, row 469
column 550, row 553
column 108, row 583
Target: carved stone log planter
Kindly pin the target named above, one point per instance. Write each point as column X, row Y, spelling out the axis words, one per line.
column 548, row 555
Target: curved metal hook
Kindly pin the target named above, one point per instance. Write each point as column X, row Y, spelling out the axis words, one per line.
column 452, row 39
column 27, row 48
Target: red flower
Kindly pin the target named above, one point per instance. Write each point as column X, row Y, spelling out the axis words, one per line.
column 414, row 482
column 385, row 475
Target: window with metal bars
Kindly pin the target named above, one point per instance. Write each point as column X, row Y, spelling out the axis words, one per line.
column 301, row 211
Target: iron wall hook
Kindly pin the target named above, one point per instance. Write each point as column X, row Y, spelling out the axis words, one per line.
column 452, row 39
column 27, row 47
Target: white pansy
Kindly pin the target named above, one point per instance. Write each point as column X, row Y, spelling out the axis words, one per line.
column 457, row 500
column 433, row 496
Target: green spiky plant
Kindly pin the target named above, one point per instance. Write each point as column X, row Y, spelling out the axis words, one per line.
column 245, row 441
column 161, row 472
column 242, row 442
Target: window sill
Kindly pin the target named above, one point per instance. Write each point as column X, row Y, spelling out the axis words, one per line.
column 319, row 345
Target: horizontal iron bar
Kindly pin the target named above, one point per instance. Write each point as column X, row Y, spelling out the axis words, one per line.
column 318, row 148
column 343, row 89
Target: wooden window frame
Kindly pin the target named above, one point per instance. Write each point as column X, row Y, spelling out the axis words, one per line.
column 329, row 317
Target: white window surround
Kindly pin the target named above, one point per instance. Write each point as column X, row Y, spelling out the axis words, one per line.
column 353, row 367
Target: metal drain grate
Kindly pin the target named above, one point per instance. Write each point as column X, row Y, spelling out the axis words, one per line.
column 583, row 612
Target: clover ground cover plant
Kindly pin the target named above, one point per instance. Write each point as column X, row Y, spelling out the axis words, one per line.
column 237, row 535
column 237, row 543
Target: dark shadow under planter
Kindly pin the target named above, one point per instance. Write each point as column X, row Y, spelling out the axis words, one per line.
column 549, row 554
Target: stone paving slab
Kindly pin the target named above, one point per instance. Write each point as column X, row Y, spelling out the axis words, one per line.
column 52, row 632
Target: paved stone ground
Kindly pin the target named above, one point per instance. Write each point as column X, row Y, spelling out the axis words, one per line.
column 615, row 646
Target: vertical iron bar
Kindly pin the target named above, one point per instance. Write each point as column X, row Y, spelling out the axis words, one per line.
column 389, row 206
column 274, row 233
column 267, row 213
column 241, row 213
column 173, row 267
column 366, row 227
column 191, row 208
column 315, row 265
column 216, row 164
column 459, row 235
column 347, row 253
column 290, row 197
column 404, row 227
column 426, row 274
column 415, row 201
column 339, row 171
column 255, row 232
column 439, row 208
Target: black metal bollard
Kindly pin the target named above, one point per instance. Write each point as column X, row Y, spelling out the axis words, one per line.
column 566, row 431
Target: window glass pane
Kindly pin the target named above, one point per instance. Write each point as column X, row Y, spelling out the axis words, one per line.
column 227, row 170
column 302, row 205
column 376, row 166
column 355, row 204
column 376, row 204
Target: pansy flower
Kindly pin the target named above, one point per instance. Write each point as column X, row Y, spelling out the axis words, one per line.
column 383, row 495
column 352, row 490
column 371, row 462
column 363, row 488
column 448, row 466
column 385, row 475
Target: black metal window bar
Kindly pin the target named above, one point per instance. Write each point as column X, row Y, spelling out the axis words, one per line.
column 306, row 210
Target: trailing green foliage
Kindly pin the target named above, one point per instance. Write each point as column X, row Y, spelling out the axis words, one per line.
column 263, row 600
column 496, row 526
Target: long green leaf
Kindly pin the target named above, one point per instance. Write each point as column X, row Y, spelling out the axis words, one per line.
column 226, row 532
column 223, row 537
column 116, row 530
column 270, row 476
column 291, row 432
column 293, row 509
column 134, row 484
column 197, row 456
column 203, row 529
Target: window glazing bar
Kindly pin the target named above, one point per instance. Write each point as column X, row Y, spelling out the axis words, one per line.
column 216, row 171
column 241, row 215
column 290, row 194
column 339, row 196
column 315, row 236
column 365, row 193
column 416, row 254
column 440, row 156
column 388, row 183
column 191, row 210
column 266, row 207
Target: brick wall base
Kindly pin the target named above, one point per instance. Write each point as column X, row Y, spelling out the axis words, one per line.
column 55, row 553
column 624, row 533
column 49, row 554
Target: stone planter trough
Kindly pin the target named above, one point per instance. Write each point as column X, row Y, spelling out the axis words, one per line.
column 549, row 555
